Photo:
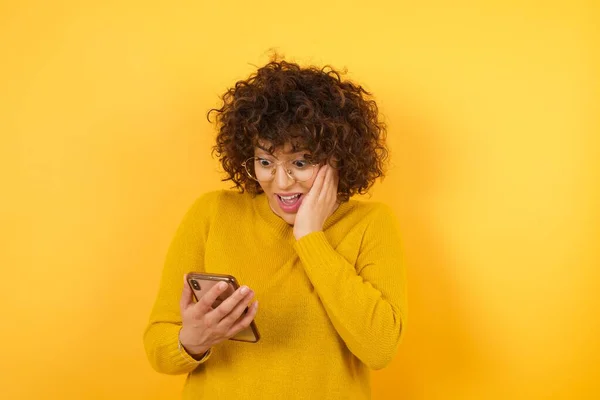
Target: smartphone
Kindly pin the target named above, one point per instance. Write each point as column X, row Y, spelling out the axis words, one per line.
column 201, row 283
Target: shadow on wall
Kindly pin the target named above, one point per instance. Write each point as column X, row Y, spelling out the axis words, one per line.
column 437, row 348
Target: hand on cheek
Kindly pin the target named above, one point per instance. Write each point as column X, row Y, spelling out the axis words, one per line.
column 318, row 204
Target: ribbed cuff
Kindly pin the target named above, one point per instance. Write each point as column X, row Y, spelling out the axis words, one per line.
column 188, row 356
column 178, row 356
column 314, row 249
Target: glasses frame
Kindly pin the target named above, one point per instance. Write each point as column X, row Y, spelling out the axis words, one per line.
column 277, row 164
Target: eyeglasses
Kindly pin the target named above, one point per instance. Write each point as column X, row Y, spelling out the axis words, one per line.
column 263, row 170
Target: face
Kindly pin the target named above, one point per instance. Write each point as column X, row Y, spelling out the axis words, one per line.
column 284, row 193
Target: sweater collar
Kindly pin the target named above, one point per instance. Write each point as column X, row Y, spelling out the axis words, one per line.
column 277, row 225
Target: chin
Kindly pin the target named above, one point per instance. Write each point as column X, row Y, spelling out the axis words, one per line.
column 289, row 218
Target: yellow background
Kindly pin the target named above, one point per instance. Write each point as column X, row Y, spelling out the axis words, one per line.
column 492, row 109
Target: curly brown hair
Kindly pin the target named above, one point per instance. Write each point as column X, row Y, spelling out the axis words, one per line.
column 312, row 109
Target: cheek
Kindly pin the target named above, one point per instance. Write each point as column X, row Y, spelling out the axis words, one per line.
column 308, row 184
column 264, row 186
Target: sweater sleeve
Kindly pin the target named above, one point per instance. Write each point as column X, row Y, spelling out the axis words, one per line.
column 185, row 254
column 366, row 303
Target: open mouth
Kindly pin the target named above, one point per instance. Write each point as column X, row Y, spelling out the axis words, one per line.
column 290, row 204
column 290, row 200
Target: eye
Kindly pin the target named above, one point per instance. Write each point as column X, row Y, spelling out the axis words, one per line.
column 263, row 162
column 300, row 164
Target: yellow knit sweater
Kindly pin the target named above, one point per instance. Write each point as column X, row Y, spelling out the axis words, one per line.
column 332, row 304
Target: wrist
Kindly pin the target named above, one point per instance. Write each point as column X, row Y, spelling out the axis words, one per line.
column 195, row 351
column 301, row 233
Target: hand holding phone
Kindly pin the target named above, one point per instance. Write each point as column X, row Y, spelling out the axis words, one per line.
column 220, row 313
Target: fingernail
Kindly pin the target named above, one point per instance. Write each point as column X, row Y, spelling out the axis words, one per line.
column 222, row 285
column 244, row 290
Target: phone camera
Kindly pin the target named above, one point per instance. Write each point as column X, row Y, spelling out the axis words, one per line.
column 195, row 284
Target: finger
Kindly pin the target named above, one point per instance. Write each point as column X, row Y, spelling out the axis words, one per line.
column 239, row 296
column 230, row 319
column 315, row 190
column 245, row 321
column 205, row 303
column 186, row 295
column 327, row 184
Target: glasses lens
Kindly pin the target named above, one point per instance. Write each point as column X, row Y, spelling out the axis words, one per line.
column 262, row 169
column 301, row 170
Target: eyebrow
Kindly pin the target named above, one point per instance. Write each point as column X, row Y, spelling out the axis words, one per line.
column 268, row 150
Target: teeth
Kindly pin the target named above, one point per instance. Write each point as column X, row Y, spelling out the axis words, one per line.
column 289, row 197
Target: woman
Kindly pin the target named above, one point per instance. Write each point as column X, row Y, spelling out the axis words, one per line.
column 297, row 143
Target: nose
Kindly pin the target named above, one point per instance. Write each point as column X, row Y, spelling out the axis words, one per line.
column 282, row 179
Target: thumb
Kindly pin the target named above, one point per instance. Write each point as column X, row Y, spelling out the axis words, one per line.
column 186, row 295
